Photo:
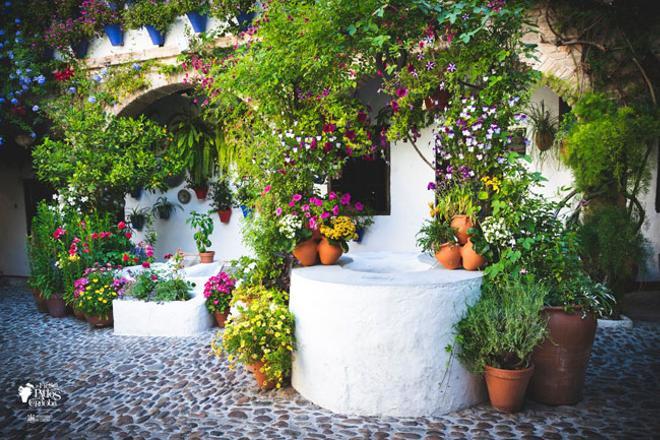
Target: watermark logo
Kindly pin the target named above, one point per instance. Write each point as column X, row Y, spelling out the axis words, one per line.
column 40, row 395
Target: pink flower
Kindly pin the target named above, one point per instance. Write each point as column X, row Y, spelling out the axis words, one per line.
column 312, row 223
column 332, row 196
column 267, row 189
column 296, row 197
column 167, row 256
column 345, row 199
column 325, row 215
column 335, row 210
column 278, row 211
column 149, row 250
column 121, row 225
column 128, row 235
column 146, row 264
column 359, row 206
column 59, row 232
column 401, row 92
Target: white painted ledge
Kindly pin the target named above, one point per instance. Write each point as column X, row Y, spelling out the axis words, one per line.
column 624, row 322
column 371, row 335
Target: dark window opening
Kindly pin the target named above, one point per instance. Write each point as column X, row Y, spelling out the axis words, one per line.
column 34, row 191
column 368, row 181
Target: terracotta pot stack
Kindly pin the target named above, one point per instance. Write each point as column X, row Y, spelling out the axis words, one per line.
column 309, row 252
column 452, row 256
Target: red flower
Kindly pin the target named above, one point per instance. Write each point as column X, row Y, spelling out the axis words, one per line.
column 128, row 235
column 121, row 225
column 125, row 258
column 146, row 264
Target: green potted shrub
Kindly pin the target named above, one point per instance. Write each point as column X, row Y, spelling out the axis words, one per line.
column 261, row 337
column 222, row 199
column 438, row 238
column 498, row 334
column 543, row 126
column 154, row 15
column 138, row 217
column 458, row 205
column 197, row 12
column 163, row 208
column 103, row 15
column 203, row 226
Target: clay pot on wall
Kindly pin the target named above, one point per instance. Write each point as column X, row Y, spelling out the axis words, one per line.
column 461, row 223
column 449, row 255
column 471, row 259
column 221, row 318
column 506, row 388
column 56, row 306
column 100, row 321
column 225, row 215
column 260, row 377
column 201, row 191
column 561, row 360
column 206, row 257
column 329, row 253
column 306, row 252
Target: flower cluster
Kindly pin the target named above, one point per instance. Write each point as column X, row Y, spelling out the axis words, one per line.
column 341, row 228
column 95, row 291
column 496, row 232
column 217, row 291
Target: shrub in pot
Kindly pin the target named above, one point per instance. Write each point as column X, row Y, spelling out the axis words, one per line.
column 138, row 218
column 438, row 238
column 498, row 334
column 155, row 15
column 163, row 208
column 203, row 226
column 94, row 293
column 101, row 15
column 69, row 34
column 260, row 335
column 217, row 291
column 197, row 12
column 223, row 199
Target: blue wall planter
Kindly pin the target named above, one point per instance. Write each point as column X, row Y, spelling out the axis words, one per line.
column 244, row 20
column 115, row 34
column 360, row 234
column 157, row 37
column 197, row 20
column 246, row 211
column 80, row 48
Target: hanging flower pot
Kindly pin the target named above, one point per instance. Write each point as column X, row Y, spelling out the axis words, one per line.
column 157, row 37
column 306, row 252
column 225, row 215
column 449, row 255
column 246, row 211
column 221, row 318
column 561, row 360
column 244, row 20
column 260, row 376
column 201, row 191
column 164, row 212
column 329, row 253
column 471, row 259
column 56, row 306
column 136, row 193
column 197, row 21
column 80, row 48
column 544, row 140
column 461, row 223
column 174, row 181
column 506, row 388
column 206, row 257
column 115, row 34
column 138, row 221
column 100, row 321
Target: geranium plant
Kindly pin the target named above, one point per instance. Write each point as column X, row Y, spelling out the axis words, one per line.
column 95, row 291
column 218, row 292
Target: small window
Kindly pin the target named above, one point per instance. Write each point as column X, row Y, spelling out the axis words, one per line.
column 368, row 181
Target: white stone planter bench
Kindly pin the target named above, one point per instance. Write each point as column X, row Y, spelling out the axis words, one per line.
column 371, row 335
column 175, row 318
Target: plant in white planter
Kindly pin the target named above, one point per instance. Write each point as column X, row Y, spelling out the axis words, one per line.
column 203, row 225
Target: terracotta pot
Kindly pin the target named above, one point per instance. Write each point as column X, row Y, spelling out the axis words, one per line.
column 260, row 377
column 225, row 215
column 56, row 306
column 544, row 140
column 100, row 321
column 329, row 253
column 206, row 257
column 316, row 235
column 561, row 360
column 471, row 259
column 221, row 318
column 449, row 255
column 461, row 223
column 39, row 301
column 79, row 313
column 306, row 253
column 201, row 192
column 506, row 388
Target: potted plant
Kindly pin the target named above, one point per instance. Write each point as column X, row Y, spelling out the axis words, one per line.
column 261, row 337
column 572, row 307
column 471, row 258
column 138, row 217
column 197, row 12
column 437, row 237
column 163, row 208
column 457, row 204
column 335, row 236
column 101, row 14
column 217, row 291
column 497, row 335
column 242, row 10
column 154, row 15
column 245, row 195
column 68, row 34
column 543, row 126
column 94, row 294
column 203, row 225
column 223, row 199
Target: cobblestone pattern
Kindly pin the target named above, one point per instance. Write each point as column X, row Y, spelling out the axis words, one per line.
column 174, row 388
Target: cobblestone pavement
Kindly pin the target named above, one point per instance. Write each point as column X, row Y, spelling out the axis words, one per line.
column 167, row 388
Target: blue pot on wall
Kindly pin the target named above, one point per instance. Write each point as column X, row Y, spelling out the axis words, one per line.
column 115, row 34
column 244, row 20
column 157, row 37
column 80, row 48
column 246, row 211
column 360, row 234
column 197, row 20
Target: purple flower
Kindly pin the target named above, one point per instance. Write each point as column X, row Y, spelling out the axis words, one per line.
column 430, row 65
column 345, row 199
column 451, row 67
column 401, row 92
column 431, row 186
column 359, row 206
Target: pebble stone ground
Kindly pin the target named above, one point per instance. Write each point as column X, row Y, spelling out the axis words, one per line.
column 173, row 388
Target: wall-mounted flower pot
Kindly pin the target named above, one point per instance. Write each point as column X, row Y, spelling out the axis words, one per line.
column 115, row 34
column 201, row 191
column 561, row 360
column 449, row 255
column 100, row 321
column 138, row 221
column 157, row 37
column 206, row 257
column 329, row 253
column 244, row 20
column 306, row 252
column 174, row 181
column 56, row 306
column 221, row 318
column 506, row 388
column 80, row 48
column 246, row 211
column 544, row 140
column 164, row 213
column 197, row 21
column 136, row 193
column 225, row 215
